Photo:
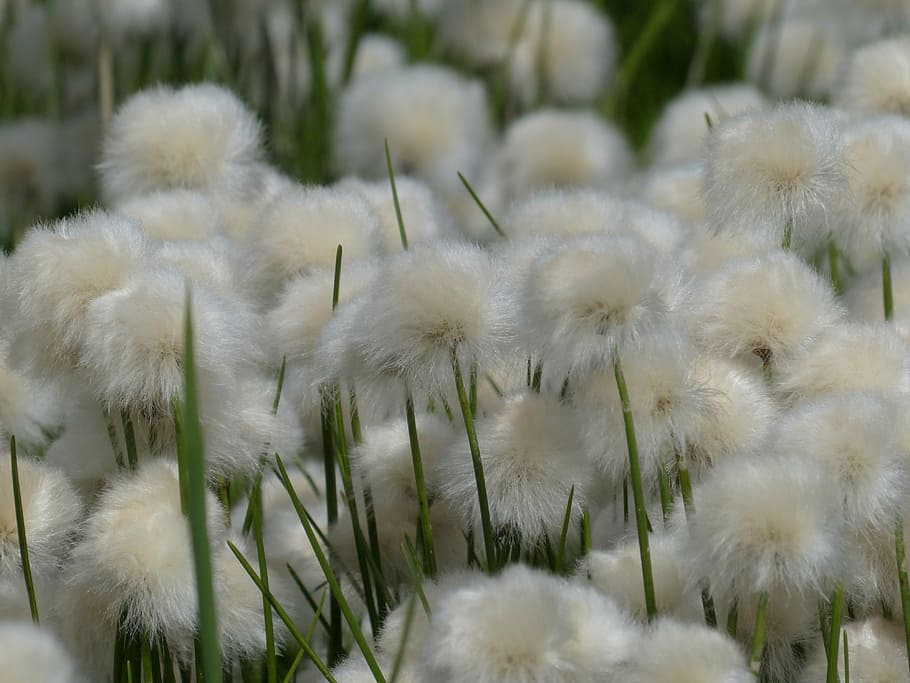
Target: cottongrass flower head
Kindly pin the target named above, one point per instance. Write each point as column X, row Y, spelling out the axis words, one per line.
column 532, row 460
column 424, row 217
column 877, row 78
column 617, row 574
column 878, row 362
column 57, row 271
column 300, row 230
column 797, row 57
column 877, row 651
column 51, row 510
column 29, row 407
column 135, row 558
column 592, row 296
column 677, row 189
column 679, row 134
column 30, row 654
column 665, row 398
column 769, row 525
column 196, row 137
column 875, row 219
column 767, row 307
column 435, row 121
column 215, row 264
column 431, row 305
column 177, row 214
column 562, row 148
column 777, row 171
column 474, row 634
column 685, row 652
column 852, row 437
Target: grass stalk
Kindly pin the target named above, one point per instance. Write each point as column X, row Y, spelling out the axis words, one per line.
column 837, row 613
column 426, row 528
column 834, row 267
column 586, row 543
column 401, row 231
column 788, row 235
column 129, row 436
column 758, row 636
column 405, row 634
column 887, row 289
column 191, row 453
column 486, row 212
column 335, row 587
column 666, row 495
column 270, row 657
column 468, row 418
column 846, row 659
column 20, row 530
column 638, row 495
column 901, row 555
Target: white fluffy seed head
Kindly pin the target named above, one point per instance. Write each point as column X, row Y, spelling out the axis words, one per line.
column 177, row 214
column 763, row 309
column 709, row 250
column 666, row 402
column 474, row 636
column 300, row 230
column 428, row 304
column 590, row 296
column 805, row 56
column 617, row 574
column 133, row 353
column 32, row 654
column 57, row 272
column 532, row 460
column 740, row 412
column 876, row 650
column 29, row 408
column 772, row 524
column 765, row 169
column 877, row 79
column 51, row 509
column 676, row 189
column 878, row 361
column 680, row 133
column 551, row 147
column 875, row 217
column 435, row 122
column 197, row 137
column 305, row 306
column 424, row 217
column 135, row 555
column 214, row 264
column 676, row 652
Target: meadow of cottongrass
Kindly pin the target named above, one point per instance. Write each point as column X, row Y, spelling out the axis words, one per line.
column 455, row 341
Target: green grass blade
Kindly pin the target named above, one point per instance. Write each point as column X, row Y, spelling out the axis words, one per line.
column 563, row 537
column 280, row 387
column 191, row 453
column 256, row 506
column 335, row 587
column 405, row 634
column 410, row 558
column 837, row 613
column 758, row 636
column 308, row 596
column 482, row 206
column 20, row 530
column 282, row 614
column 401, row 230
column 426, row 528
column 129, row 435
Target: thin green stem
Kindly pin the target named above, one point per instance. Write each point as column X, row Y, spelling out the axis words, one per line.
column 563, row 537
column 788, row 235
column 901, row 556
column 485, row 523
column 887, row 289
column 405, row 636
column 129, row 435
column 482, row 206
column 401, row 231
column 426, row 528
column 114, row 438
column 837, row 613
column 586, row 531
column 271, row 660
column 846, row 659
column 638, row 495
column 758, row 635
column 20, row 530
column 733, row 619
column 834, row 267
column 666, row 495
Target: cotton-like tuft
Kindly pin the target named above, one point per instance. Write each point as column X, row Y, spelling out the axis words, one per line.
column 550, row 147
column 591, row 296
column 771, row 307
column 198, row 137
column 474, row 636
column 29, row 408
column 874, row 220
column 214, row 264
column 299, row 232
column 434, row 119
column 676, row 189
column 29, row 653
column 680, row 133
column 877, row 651
column 770, row 524
column 428, row 305
column 51, row 509
column 177, row 214
column 666, row 401
column 135, row 555
column 424, row 218
column 877, row 78
column 676, row 652
column 617, row 574
column 57, row 271
column 878, row 361
column 765, row 170
column 532, row 459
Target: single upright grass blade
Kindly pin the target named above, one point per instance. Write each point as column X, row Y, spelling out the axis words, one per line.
column 482, row 206
column 401, row 230
column 20, row 530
